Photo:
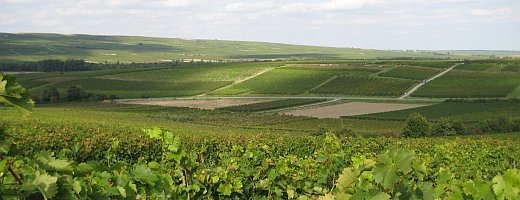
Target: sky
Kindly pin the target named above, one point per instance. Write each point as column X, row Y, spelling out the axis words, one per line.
column 374, row 24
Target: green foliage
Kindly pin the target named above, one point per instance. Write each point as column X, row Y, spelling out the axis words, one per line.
column 13, row 94
column 396, row 174
column 417, row 126
column 449, row 128
column 75, row 93
column 365, row 86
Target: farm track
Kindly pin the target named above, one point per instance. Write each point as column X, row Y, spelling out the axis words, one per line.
column 409, row 92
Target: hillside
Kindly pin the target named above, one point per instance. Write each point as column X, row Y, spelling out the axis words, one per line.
column 97, row 48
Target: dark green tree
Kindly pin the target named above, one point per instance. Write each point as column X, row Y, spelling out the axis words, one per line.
column 417, row 126
column 75, row 93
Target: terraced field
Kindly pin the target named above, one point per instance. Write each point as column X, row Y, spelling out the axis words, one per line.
column 463, row 84
column 365, row 86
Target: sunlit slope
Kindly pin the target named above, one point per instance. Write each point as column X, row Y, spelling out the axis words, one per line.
column 96, row 48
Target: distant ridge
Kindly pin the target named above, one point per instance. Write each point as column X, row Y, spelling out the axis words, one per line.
column 15, row 47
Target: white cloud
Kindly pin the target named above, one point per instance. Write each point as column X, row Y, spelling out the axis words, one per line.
column 487, row 12
column 319, row 22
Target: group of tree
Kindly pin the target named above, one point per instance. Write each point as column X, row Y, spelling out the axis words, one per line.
column 418, row 126
column 73, row 93
column 50, row 65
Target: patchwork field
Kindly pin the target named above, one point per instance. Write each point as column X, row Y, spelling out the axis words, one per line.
column 349, row 109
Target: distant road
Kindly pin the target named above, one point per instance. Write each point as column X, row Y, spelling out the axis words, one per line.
column 409, row 92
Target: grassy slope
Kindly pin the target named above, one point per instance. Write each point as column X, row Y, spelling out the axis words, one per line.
column 95, row 48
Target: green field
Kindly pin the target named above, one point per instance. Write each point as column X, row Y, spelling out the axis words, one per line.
column 365, row 86
column 460, row 110
column 463, row 84
column 272, row 105
column 290, row 80
column 415, row 73
column 209, row 72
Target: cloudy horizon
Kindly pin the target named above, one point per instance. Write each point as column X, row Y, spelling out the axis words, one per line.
column 374, row 24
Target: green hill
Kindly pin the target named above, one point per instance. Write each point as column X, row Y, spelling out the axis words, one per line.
column 98, row 48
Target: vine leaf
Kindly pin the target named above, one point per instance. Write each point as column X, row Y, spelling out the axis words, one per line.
column 46, row 184
column 145, row 175
column 13, row 94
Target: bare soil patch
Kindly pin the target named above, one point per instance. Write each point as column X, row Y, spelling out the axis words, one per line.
column 350, row 109
column 202, row 104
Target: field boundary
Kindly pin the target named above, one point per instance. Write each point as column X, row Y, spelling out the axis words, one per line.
column 409, row 92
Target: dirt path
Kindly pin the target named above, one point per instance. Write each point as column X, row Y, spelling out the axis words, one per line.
column 409, row 92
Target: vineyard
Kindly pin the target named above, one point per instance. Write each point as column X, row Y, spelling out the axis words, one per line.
column 365, row 86
column 492, row 65
column 272, row 105
column 209, row 72
column 462, row 84
column 415, row 73
column 113, row 150
column 290, row 80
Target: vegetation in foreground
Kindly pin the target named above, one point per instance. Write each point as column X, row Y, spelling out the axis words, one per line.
column 328, row 167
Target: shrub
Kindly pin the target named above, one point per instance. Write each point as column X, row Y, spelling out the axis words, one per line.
column 448, row 128
column 417, row 126
column 75, row 93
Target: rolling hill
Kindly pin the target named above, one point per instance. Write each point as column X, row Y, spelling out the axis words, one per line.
column 111, row 49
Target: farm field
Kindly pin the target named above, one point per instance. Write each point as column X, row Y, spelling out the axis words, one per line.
column 407, row 72
column 491, row 66
column 457, row 109
column 463, row 84
column 289, row 80
column 202, row 104
column 209, row 72
column 272, row 105
column 365, row 86
column 349, row 109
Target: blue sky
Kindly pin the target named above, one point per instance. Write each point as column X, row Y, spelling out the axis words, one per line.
column 377, row 24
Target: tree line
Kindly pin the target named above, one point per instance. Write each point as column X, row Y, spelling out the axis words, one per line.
column 50, row 65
